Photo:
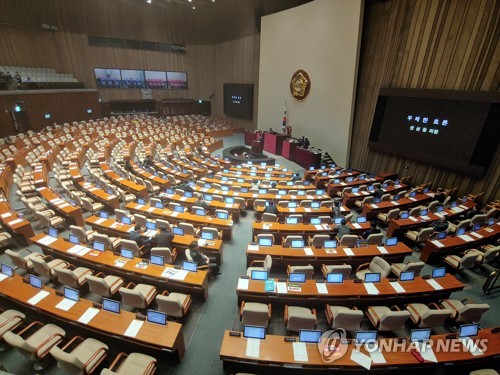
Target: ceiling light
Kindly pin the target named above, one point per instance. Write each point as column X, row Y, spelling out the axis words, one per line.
column 149, row 1
column 194, row 8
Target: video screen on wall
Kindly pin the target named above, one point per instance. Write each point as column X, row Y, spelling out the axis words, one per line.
column 156, row 79
column 238, row 100
column 108, row 78
column 133, row 79
column 453, row 129
column 177, row 80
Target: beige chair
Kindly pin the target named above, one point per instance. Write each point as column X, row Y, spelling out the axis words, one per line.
column 269, row 217
column 10, row 320
column 377, row 265
column 84, row 235
column 453, row 227
column 344, row 317
column 33, row 344
column 105, row 286
column 489, row 255
column 375, row 238
column 465, row 311
column 265, row 235
column 384, row 318
column 120, row 214
column 485, row 371
column 308, row 270
column 366, row 200
column 266, row 265
column 132, row 245
column 5, row 237
column 216, row 233
column 168, row 255
column 287, row 241
column 20, row 261
column 390, row 215
column 173, row 304
column 110, row 243
column 419, row 236
column 139, row 297
column 189, row 229
column 477, row 219
column 151, row 188
column 426, row 317
column 297, row 318
column 85, row 358
column 255, row 314
column 46, row 269
column 72, row 276
column 89, row 205
column 318, row 240
column 460, row 263
column 348, row 240
column 344, row 269
column 134, row 363
column 47, row 222
column 140, row 220
column 416, row 267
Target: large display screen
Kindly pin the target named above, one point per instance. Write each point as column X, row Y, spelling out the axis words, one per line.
column 132, row 79
column 108, row 78
column 238, row 100
column 156, row 79
column 452, row 129
column 177, row 80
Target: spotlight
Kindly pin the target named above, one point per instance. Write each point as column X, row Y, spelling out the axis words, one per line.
column 149, row 1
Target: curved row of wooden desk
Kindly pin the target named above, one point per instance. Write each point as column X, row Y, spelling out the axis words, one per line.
column 107, row 326
column 278, row 356
column 165, row 277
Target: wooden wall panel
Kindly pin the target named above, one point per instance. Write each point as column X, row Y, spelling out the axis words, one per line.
column 429, row 44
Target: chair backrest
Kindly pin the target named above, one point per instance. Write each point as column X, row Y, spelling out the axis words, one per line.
column 67, row 362
column 188, row 229
column 98, row 285
column 17, row 259
column 416, row 267
column 478, row 219
column 169, row 305
column 467, row 261
column 214, row 231
column 348, row 319
column 393, row 320
column 265, row 235
column 41, row 267
column 268, row 263
column 326, row 204
column 367, row 200
column 393, row 214
column 79, row 232
column 463, row 224
column 375, row 238
column 344, row 269
column 308, row 270
column 290, row 238
column 140, row 220
column 255, row 314
column 132, row 297
column 269, row 217
column 380, row 265
column 348, row 240
column 424, row 234
column 299, row 217
column 164, row 252
column 471, row 312
column 259, row 203
column 131, row 245
column 306, row 203
column 104, row 238
column 490, row 254
column 318, row 240
column 65, row 276
column 20, row 344
column 434, row 317
column 432, row 207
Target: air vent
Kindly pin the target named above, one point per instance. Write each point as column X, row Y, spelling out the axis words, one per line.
column 101, row 41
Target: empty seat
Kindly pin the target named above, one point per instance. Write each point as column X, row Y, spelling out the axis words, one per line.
column 9, row 320
column 46, row 269
column 460, row 263
column 72, row 276
column 260, row 265
column 384, row 318
column 390, row 215
column 105, row 286
column 84, row 235
column 344, row 269
column 348, row 240
column 137, row 295
column 377, row 265
column 269, row 217
column 297, row 318
column 426, row 317
column 415, row 267
column 85, row 358
column 465, row 311
column 318, row 240
column 419, row 236
column 168, row 255
column 489, row 254
column 256, row 314
column 375, row 239
column 308, row 270
column 133, row 363
column 173, row 304
column 24, row 262
column 344, row 317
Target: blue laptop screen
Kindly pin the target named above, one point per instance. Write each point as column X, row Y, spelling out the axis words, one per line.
column 331, row 244
column 315, row 221
column 35, row 281
column 99, row 246
column 222, row 215
column 391, row 241
column 338, row 220
column 315, row 204
column 156, row 259
column 297, row 277
column 265, row 242
column 150, row 225
column 361, row 219
column 438, row 272
column 291, row 220
column 407, row 276
column 71, row 294
column 104, row 215
column 372, row 277
column 189, row 266
column 111, row 305
column 336, row 278
column 254, row 332
column 126, row 220
column 310, row 336
column 7, row 270
column 298, row 244
column 207, row 235
column 178, row 231
column 259, row 275
column 52, row 232
column 74, row 239
column 126, row 253
column 157, row 317
column 420, row 335
column 361, row 337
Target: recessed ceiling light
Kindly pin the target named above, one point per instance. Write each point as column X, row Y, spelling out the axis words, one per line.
column 149, row 1
column 194, row 7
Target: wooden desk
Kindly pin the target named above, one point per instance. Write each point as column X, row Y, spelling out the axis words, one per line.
column 108, row 325
column 399, row 226
column 73, row 215
column 232, row 208
column 372, row 210
column 351, row 294
column 278, row 354
column 282, row 230
column 170, row 171
column 290, row 256
column 193, row 283
column 305, row 211
column 138, row 190
column 198, row 221
column 111, row 201
column 74, row 172
column 434, row 249
column 149, row 176
column 332, row 189
column 306, row 157
column 212, row 166
column 255, row 178
column 211, row 248
column 322, row 181
column 309, row 174
column 349, row 199
column 259, row 172
column 20, row 229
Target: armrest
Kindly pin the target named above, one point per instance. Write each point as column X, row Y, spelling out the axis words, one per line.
column 285, row 314
column 99, row 274
column 117, row 359
column 48, row 257
column 375, row 316
column 70, row 342
column 91, row 359
column 187, row 303
column 396, row 308
column 28, row 327
column 241, row 309
column 71, row 267
column 151, row 294
column 435, row 305
column 269, row 312
column 120, row 280
column 174, row 254
column 130, row 284
column 164, row 293
column 324, row 271
column 256, row 262
column 42, row 355
column 467, row 300
column 11, row 319
column 329, row 315
column 362, row 266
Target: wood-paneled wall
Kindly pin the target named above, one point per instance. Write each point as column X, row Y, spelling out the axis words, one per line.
column 208, row 66
column 431, row 44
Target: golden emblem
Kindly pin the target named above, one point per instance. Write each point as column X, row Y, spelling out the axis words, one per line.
column 300, row 84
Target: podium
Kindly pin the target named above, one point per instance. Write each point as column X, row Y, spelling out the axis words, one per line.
column 273, row 143
column 250, row 136
column 306, row 158
column 257, row 147
column 287, row 149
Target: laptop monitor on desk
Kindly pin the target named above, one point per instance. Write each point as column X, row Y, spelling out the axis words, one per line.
column 372, row 277
column 156, row 317
column 297, row 277
column 335, row 278
column 297, row 244
column 157, row 260
column 111, row 305
column 259, row 275
column 420, row 335
column 310, row 336
column 254, row 332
